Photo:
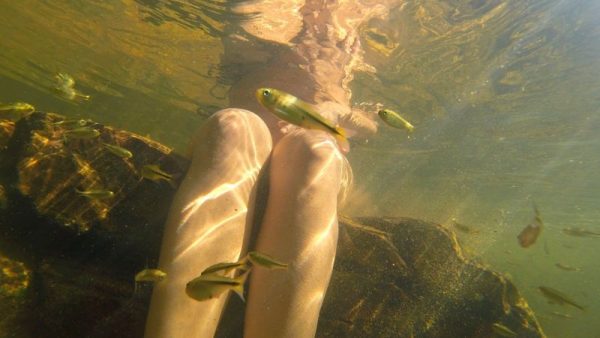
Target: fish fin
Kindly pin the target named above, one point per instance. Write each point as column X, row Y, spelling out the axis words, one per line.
column 243, row 260
column 342, row 142
column 239, row 289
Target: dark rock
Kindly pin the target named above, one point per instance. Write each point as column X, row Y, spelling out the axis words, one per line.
column 82, row 253
column 6, row 129
column 67, row 262
column 401, row 277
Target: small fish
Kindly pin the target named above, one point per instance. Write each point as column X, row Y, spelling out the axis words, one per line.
column 561, row 315
column 566, row 267
column 73, row 123
column 464, row 228
column 17, row 107
column 295, row 111
column 503, row 331
column 225, row 267
column 580, row 232
column 96, row 194
column 82, row 133
column 395, row 120
column 555, row 296
column 150, row 275
column 266, row 261
column 65, row 86
column 119, row 151
column 154, row 173
column 529, row 235
column 64, row 80
column 210, row 286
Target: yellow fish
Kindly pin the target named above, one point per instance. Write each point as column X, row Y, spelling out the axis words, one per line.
column 503, row 331
column 210, row 286
column 82, row 133
column 154, row 173
column 17, row 107
column 266, row 261
column 395, row 120
column 119, row 151
column 150, row 275
column 96, row 194
column 225, row 267
column 65, row 86
column 73, row 123
column 295, row 111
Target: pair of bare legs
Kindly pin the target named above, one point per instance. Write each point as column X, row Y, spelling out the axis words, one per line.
column 210, row 222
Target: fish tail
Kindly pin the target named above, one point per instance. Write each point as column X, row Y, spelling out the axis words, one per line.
column 243, row 260
column 342, row 140
column 239, row 289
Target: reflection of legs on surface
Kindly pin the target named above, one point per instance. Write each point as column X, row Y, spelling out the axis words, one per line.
column 207, row 220
column 300, row 228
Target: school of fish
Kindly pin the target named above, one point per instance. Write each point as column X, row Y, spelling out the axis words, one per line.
column 219, row 278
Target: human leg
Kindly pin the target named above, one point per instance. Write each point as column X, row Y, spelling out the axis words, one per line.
column 208, row 220
column 300, row 228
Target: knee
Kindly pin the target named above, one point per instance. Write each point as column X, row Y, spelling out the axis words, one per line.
column 238, row 122
column 311, row 148
column 239, row 128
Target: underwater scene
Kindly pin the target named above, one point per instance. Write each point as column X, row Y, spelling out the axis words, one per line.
column 300, row 168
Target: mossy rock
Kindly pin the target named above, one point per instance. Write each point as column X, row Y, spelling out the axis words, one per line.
column 81, row 254
column 393, row 277
column 51, row 167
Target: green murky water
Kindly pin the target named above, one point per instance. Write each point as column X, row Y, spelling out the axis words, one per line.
column 505, row 97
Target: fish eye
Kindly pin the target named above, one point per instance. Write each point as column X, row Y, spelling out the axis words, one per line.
column 266, row 93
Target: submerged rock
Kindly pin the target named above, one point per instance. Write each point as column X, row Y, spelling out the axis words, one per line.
column 15, row 278
column 68, row 262
column 401, row 277
column 6, row 130
column 51, row 167
column 82, row 253
column 437, row 293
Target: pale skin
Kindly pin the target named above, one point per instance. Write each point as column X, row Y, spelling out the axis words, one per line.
column 210, row 219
